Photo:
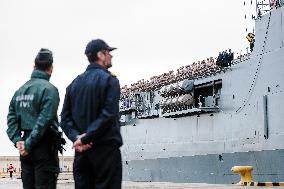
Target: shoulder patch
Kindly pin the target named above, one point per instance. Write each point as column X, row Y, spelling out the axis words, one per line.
column 112, row 74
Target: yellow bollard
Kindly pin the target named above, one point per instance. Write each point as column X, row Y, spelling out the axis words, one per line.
column 245, row 172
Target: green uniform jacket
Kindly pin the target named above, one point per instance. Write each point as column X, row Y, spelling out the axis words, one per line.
column 32, row 109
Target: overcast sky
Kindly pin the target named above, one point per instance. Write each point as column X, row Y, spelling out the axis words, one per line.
column 152, row 37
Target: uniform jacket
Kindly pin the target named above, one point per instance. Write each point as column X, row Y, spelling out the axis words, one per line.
column 32, row 109
column 91, row 106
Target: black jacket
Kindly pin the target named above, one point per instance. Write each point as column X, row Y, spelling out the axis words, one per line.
column 91, row 106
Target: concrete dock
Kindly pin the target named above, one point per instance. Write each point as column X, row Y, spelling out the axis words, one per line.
column 7, row 183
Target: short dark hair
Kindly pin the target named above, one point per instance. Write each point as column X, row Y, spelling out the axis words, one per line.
column 43, row 60
column 92, row 57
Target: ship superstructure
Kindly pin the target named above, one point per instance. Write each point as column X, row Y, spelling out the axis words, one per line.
column 196, row 127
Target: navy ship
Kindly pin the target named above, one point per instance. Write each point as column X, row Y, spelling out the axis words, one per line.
column 193, row 125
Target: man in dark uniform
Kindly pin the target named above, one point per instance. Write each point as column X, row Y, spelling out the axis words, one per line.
column 90, row 119
column 32, row 111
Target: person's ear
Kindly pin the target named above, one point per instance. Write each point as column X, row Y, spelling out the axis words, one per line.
column 101, row 55
column 49, row 70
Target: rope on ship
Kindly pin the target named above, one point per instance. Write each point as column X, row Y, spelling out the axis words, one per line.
column 257, row 69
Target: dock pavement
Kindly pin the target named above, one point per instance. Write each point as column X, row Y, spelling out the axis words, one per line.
column 7, row 183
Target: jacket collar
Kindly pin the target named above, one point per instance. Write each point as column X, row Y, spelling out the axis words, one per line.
column 96, row 66
column 38, row 74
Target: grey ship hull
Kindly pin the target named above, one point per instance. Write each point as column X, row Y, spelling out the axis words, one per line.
column 212, row 168
column 247, row 130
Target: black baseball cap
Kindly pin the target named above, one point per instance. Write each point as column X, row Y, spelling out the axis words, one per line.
column 97, row 45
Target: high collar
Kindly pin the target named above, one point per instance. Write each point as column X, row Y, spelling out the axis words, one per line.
column 96, row 66
column 40, row 75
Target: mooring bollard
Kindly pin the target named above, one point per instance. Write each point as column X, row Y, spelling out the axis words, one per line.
column 245, row 172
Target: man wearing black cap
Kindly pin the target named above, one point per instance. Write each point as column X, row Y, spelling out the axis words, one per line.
column 32, row 111
column 90, row 119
